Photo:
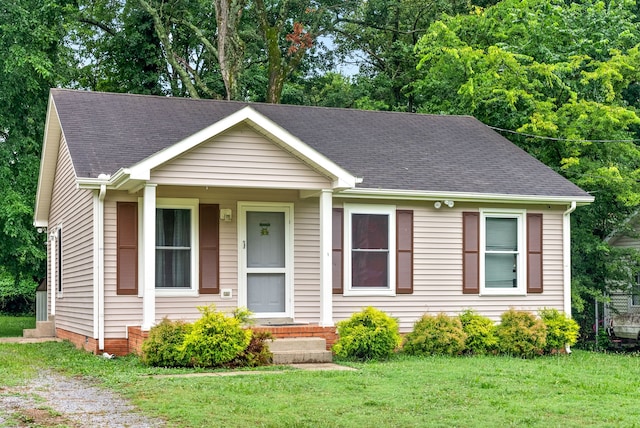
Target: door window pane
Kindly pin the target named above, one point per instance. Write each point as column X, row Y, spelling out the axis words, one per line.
column 266, row 292
column 265, row 239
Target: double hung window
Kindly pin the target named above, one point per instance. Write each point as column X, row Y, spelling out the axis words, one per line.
column 502, row 245
column 370, row 249
column 176, row 246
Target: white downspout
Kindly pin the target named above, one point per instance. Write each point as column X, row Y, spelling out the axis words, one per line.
column 566, row 256
column 101, row 196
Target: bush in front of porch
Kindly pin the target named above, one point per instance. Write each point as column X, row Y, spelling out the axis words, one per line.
column 214, row 340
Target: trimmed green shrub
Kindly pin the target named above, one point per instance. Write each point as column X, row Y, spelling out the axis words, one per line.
column 435, row 335
column 561, row 330
column 480, row 331
column 162, row 347
column 521, row 334
column 367, row 335
column 216, row 339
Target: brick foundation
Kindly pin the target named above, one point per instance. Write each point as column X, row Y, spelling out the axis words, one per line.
column 133, row 344
column 79, row 340
column 136, row 337
column 112, row 346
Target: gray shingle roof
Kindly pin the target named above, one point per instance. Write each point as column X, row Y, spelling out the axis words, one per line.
column 402, row 151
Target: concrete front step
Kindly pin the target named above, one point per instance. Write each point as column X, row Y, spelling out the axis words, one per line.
column 300, row 350
column 43, row 329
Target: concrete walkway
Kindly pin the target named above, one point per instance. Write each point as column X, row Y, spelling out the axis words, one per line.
column 29, row 339
column 310, row 367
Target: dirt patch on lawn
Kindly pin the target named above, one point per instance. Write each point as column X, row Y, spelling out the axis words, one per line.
column 53, row 400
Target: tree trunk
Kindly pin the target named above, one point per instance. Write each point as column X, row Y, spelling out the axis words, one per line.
column 230, row 46
column 169, row 53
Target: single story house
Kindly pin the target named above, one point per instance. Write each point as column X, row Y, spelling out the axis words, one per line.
column 154, row 206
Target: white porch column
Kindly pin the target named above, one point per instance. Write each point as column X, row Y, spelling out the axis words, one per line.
column 149, row 257
column 326, row 292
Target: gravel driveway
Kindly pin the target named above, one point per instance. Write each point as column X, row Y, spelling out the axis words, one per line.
column 54, row 400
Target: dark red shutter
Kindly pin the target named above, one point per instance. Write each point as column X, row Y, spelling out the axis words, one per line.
column 534, row 253
column 127, row 248
column 471, row 253
column 209, row 249
column 337, row 239
column 404, row 252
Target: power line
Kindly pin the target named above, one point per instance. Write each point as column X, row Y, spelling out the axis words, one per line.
column 541, row 137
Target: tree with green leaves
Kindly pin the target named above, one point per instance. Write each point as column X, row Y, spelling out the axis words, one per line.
column 558, row 76
column 33, row 58
column 383, row 33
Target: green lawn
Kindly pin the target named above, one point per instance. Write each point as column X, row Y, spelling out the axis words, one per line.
column 582, row 390
column 11, row 326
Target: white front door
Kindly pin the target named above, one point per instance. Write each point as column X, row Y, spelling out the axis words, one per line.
column 266, row 258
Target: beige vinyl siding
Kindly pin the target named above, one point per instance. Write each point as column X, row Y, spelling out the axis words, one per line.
column 120, row 311
column 437, row 264
column 307, row 261
column 72, row 209
column 127, row 310
column 438, row 272
column 239, row 157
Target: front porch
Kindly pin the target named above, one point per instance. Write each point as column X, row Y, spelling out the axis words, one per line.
column 135, row 336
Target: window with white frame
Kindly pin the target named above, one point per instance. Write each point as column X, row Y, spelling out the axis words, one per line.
column 176, row 244
column 369, row 249
column 58, row 261
column 502, row 257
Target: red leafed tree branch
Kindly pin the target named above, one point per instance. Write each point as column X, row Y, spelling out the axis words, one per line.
column 299, row 39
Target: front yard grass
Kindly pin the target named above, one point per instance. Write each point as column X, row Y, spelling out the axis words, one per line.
column 581, row 390
column 12, row 326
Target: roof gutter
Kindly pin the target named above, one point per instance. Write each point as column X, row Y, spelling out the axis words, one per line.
column 417, row 195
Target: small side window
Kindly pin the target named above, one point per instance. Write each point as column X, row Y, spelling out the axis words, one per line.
column 59, row 260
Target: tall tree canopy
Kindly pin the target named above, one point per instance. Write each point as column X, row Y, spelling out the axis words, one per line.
column 564, row 77
column 32, row 59
column 383, row 33
column 561, row 78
